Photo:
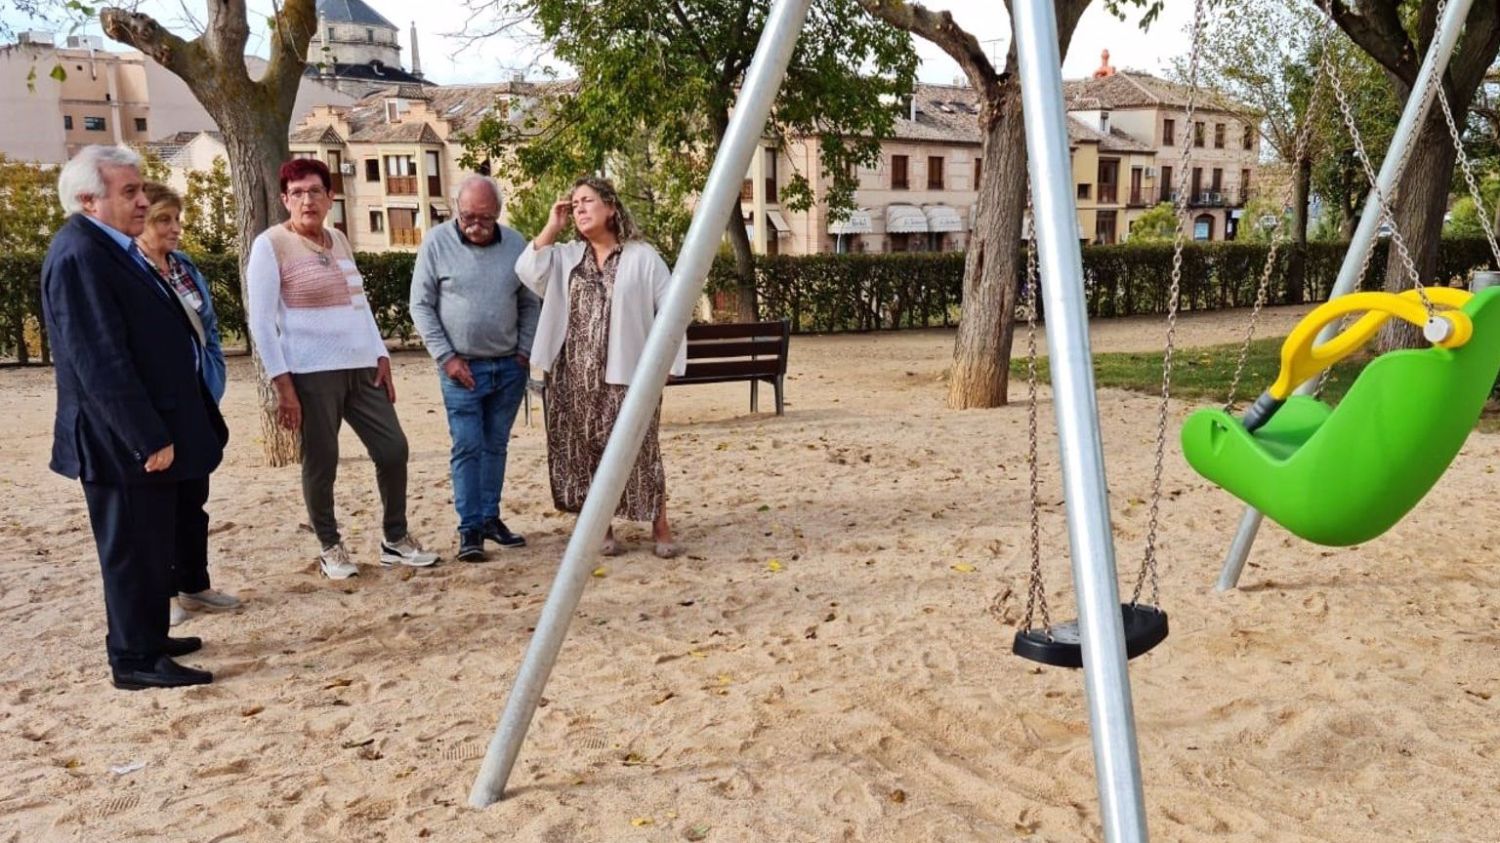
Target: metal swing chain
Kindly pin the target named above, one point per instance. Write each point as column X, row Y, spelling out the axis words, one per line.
column 1468, row 170
column 1299, row 149
column 1363, row 157
column 1148, row 567
column 1036, row 596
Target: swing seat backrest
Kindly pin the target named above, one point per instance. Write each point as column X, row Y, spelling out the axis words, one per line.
column 1345, row 475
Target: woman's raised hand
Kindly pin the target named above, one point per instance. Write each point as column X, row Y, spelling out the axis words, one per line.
column 557, row 220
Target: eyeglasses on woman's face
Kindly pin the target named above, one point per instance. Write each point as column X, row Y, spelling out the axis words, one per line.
column 298, row 195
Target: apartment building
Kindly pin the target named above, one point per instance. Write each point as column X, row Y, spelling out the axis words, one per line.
column 1123, row 128
column 394, row 155
column 1222, row 159
column 60, row 97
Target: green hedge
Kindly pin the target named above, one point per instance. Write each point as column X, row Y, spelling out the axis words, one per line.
column 821, row 293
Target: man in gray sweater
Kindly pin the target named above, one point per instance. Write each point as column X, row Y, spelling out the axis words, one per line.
column 477, row 322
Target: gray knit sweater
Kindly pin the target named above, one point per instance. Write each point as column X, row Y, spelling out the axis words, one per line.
column 466, row 299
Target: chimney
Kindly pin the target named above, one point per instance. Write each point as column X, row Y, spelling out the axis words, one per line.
column 416, row 60
column 325, row 60
column 1106, row 69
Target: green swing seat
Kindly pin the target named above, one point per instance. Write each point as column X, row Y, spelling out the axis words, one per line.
column 1344, row 475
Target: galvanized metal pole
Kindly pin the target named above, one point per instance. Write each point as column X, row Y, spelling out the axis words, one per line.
column 1106, row 680
column 762, row 81
column 1412, row 118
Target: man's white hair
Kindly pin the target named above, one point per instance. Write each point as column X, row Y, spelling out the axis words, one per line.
column 474, row 180
column 83, row 175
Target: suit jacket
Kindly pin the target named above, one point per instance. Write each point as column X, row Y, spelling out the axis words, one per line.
column 127, row 384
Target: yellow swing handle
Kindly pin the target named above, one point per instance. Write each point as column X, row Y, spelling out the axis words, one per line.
column 1303, row 357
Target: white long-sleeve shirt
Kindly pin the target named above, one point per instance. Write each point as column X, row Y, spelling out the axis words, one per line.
column 306, row 315
column 640, row 284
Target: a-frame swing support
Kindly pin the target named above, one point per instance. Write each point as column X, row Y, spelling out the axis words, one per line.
column 1106, row 680
column 1413, row 116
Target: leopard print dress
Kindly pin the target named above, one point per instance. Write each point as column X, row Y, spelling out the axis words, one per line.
column 582, row 408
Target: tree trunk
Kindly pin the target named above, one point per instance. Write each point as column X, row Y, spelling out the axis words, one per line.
column 746, row 309
column 252, row 115
column 1296, row 259
column 1418, row 208
column 980, row 375
column 257, row 146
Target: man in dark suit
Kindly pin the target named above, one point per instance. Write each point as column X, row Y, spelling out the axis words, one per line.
column 135, row 422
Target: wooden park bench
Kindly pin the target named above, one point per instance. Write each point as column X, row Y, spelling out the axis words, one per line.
column 739, row 351
column 725, row 353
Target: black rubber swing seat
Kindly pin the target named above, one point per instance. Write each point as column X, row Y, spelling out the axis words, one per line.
column 1061, row 646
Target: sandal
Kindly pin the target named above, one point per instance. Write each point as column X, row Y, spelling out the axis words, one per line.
column 667, row 550
column 610, row 548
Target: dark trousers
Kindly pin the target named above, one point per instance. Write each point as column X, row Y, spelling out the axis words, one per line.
column 328, row 400
column 190, row 565
column 136, row 530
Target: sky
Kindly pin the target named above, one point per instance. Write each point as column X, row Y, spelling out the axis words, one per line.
column 448, row 59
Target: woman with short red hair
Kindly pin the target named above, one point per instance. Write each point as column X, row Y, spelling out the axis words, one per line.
column 320, row 346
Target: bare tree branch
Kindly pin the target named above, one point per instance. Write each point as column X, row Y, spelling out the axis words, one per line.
column 141, row 31
column 940, row 29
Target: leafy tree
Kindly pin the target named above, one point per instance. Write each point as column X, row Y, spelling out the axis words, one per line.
column 209, row 213
column 664, row 77
column 1264, row 57
column 980, row 375
column 1396, row 34
column 1259, row 219
column 29, row 210
column 1158, row 225
column 1336, row 174
column 29, row 214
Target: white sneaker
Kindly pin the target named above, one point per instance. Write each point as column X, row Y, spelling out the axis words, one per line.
column 336, row 564
column 178, row 614
column 208, row 600
column 406, row 552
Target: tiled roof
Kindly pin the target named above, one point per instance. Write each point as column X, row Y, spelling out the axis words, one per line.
column 1133, row 89
column 316, row 134
column 351, row 11
column 945, row 113
column 462, row 106
column 370, row 71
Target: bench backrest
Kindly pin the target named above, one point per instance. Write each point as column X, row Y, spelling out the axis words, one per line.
column 738, row 350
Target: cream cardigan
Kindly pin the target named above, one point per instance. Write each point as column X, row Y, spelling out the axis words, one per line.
column 640, row 284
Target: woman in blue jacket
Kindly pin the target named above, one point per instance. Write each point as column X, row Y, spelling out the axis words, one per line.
column 159, row 242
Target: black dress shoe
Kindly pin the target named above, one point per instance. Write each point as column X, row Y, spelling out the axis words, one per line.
column 182, row 646
column 164, row 673
column 470, row 546
column 496, row 531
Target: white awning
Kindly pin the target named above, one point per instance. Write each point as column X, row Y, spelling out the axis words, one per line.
column 905, row 219
column 777, row 222
column 943, row 218
column 858, row 222
column 403, row 204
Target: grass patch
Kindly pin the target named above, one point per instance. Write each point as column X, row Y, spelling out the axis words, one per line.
column 1204, row 374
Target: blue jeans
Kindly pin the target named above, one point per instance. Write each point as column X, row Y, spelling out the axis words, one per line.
column 479, row 420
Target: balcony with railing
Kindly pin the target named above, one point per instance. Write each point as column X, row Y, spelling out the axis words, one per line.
column 1136, row 199
column 1109, row 194
column 406, row 237
column 401, row 185
column 1224, row 197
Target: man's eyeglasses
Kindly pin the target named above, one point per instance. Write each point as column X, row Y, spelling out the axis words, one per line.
column 315, row 194
column 471, row 220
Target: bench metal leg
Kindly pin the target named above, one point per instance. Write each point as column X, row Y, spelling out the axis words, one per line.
column 755, row 396
column 780, row 406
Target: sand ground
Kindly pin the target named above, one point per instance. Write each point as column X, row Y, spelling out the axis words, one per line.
column 862, row 692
